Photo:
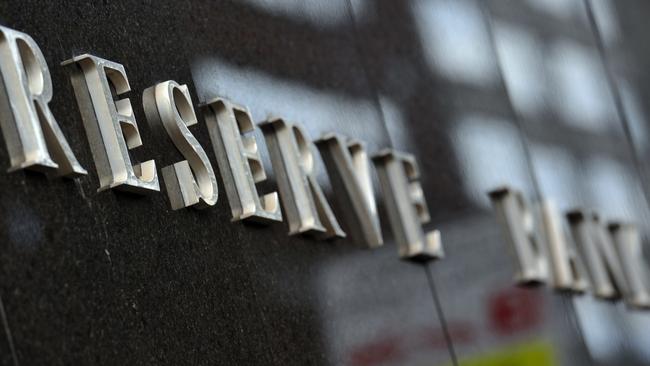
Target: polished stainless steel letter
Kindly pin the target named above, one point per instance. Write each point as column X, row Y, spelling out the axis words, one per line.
column 407, row 208
column 568, row 270
column 596, row 245
column 239, row 162
column 110, row 124
column 530, row 240
column 303, row 201
column 569, row 273
column 524, row 239
column 628, row 247
column 189, row 182
column 33, row 137
column 349, row 170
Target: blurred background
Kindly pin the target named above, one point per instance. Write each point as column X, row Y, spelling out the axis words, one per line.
column 548, row 96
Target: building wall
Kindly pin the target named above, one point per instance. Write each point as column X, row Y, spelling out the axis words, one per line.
column 533, row 94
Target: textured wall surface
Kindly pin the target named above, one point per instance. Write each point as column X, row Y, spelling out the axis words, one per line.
column 483, row 93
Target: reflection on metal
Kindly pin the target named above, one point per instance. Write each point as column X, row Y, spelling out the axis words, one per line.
column 407, row 209
column 189, row 182
column 569, row 273
column 597, row 248
column 614, row 258
column 33, row 137
column 110, row 124
column 524, row 239
column 454, row 40
column 539, row 243
column 239, row 161
column 630, row 253
column 349, row 170
column 303, row 201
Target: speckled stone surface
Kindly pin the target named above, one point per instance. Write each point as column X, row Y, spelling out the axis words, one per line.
column 110, row 278
column 116, row 279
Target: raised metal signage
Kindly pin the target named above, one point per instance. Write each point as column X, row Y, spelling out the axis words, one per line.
column 35, row 142
column 604, row 258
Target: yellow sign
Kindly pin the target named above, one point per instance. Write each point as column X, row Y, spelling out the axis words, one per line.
column 527, row 354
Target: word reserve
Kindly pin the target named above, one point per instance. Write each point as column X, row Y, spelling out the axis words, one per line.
column 614, row 267
column 35, row 141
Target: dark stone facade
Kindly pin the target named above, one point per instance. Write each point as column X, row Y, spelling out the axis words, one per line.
column 112, row 278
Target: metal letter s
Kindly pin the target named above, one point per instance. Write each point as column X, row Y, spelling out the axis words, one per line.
column 189, row 182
